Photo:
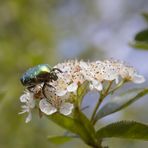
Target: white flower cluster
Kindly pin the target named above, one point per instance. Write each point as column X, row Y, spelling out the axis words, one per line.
column 74, row 73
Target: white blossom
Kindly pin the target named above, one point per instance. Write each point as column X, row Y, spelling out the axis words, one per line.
column 29, row 104
column 66, row 108
column 89, row 74
column 126, row 72
column 138, row 78
column 95, row 85
column 69, row 79
column 48, row 108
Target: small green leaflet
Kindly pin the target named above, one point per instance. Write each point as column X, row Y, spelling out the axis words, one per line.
column 120, row 102
column 124, row 129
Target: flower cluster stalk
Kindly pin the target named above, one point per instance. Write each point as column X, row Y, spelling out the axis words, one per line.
column 100, row 100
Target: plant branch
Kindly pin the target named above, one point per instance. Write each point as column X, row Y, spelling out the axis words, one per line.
column 117, row 87
column 100, row 100
column 107, row 92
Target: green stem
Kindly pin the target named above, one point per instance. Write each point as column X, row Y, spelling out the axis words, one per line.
column 96, row 107
column 101, row 98
column 108, row 88
column 117, row 87
column 107, row 92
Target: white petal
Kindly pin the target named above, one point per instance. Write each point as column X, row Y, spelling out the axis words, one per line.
column 117, row 80
column 66, row 108
column 61, row 93
column 110, row 75
column 97, row 85
column 23, row 111
column 83, row 65
column 46, row 107
column 72, row 87
column 66, row 68
column 24, row 98
column 31, row 103
column 65, row 97
column 138, row 79
column 24, row 107
column 28, row 118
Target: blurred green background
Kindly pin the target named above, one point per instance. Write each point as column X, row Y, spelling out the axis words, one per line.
column 50, row 31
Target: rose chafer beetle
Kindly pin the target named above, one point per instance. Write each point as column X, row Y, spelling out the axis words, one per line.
column 39, row 74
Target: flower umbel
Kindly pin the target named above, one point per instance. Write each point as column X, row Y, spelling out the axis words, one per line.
column 74, row 73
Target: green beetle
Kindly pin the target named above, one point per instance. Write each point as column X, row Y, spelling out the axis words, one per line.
column 42, row 73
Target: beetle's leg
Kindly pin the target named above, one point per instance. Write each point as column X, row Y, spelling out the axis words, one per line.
column 53, row 74
column 30, row 88
column 43, row 88
column 49, row 85
column 54, row 69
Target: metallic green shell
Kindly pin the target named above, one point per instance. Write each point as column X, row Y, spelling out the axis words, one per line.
column 33, row 72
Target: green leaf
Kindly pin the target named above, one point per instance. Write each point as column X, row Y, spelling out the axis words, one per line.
column 84, row 121
column 145, row 15
column 142, row 36
column 71, row 125
column 141, row 40
column 124, row 129
column 81, row 92
column 59, row 139
column 120, row 102
column 140, row 45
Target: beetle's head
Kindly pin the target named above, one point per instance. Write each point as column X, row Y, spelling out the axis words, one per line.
column 26, row 81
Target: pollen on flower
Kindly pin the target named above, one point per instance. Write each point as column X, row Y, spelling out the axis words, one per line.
column 74, row 73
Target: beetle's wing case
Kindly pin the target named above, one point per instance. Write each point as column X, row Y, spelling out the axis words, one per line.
column 42, row 68
column 32, row 74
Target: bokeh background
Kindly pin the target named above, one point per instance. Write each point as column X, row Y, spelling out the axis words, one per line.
column 51, row 31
